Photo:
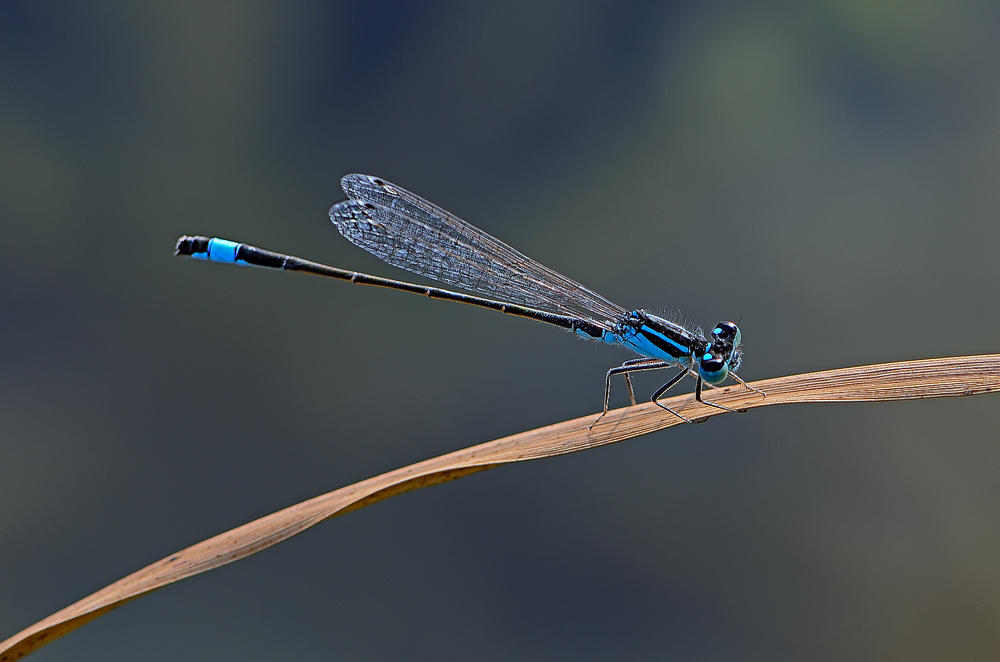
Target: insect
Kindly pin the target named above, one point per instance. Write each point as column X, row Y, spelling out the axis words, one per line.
column 406, row 231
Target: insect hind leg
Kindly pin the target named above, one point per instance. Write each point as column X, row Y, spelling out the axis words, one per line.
column 640, row 365
column 627, row 368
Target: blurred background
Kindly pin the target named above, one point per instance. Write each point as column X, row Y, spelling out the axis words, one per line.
column 825, row 172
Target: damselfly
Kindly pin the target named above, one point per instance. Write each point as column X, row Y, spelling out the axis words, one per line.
column 409, row 232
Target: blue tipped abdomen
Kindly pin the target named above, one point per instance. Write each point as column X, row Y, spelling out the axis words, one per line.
column 219, row 250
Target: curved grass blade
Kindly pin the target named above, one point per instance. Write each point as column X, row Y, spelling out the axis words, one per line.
column 907, row 380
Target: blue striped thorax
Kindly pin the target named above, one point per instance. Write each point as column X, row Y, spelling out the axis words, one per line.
column 658, row 338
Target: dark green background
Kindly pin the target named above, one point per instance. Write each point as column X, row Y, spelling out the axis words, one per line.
column 827, row 172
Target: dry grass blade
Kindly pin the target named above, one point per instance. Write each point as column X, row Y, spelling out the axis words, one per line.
column 908, row 380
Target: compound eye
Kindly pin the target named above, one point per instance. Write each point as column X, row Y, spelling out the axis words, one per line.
column 713, row 369
column 725, row 331
column 712, row 363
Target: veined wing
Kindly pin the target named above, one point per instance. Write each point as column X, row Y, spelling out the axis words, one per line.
column 411, row 233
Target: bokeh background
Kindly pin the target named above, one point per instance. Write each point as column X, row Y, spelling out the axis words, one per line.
column 825, row 172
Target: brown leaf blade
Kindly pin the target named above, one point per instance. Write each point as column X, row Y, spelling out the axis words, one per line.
column 907, row 380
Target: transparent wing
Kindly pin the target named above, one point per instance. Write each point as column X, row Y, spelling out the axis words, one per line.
column 411, row 233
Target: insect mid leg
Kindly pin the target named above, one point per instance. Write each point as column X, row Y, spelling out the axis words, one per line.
column 666, row 387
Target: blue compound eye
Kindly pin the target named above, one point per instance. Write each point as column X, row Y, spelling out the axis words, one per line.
column 726, row 331
column 713, row 369
column 726, row 341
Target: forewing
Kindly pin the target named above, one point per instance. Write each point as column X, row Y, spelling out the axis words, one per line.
column 411, row 233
